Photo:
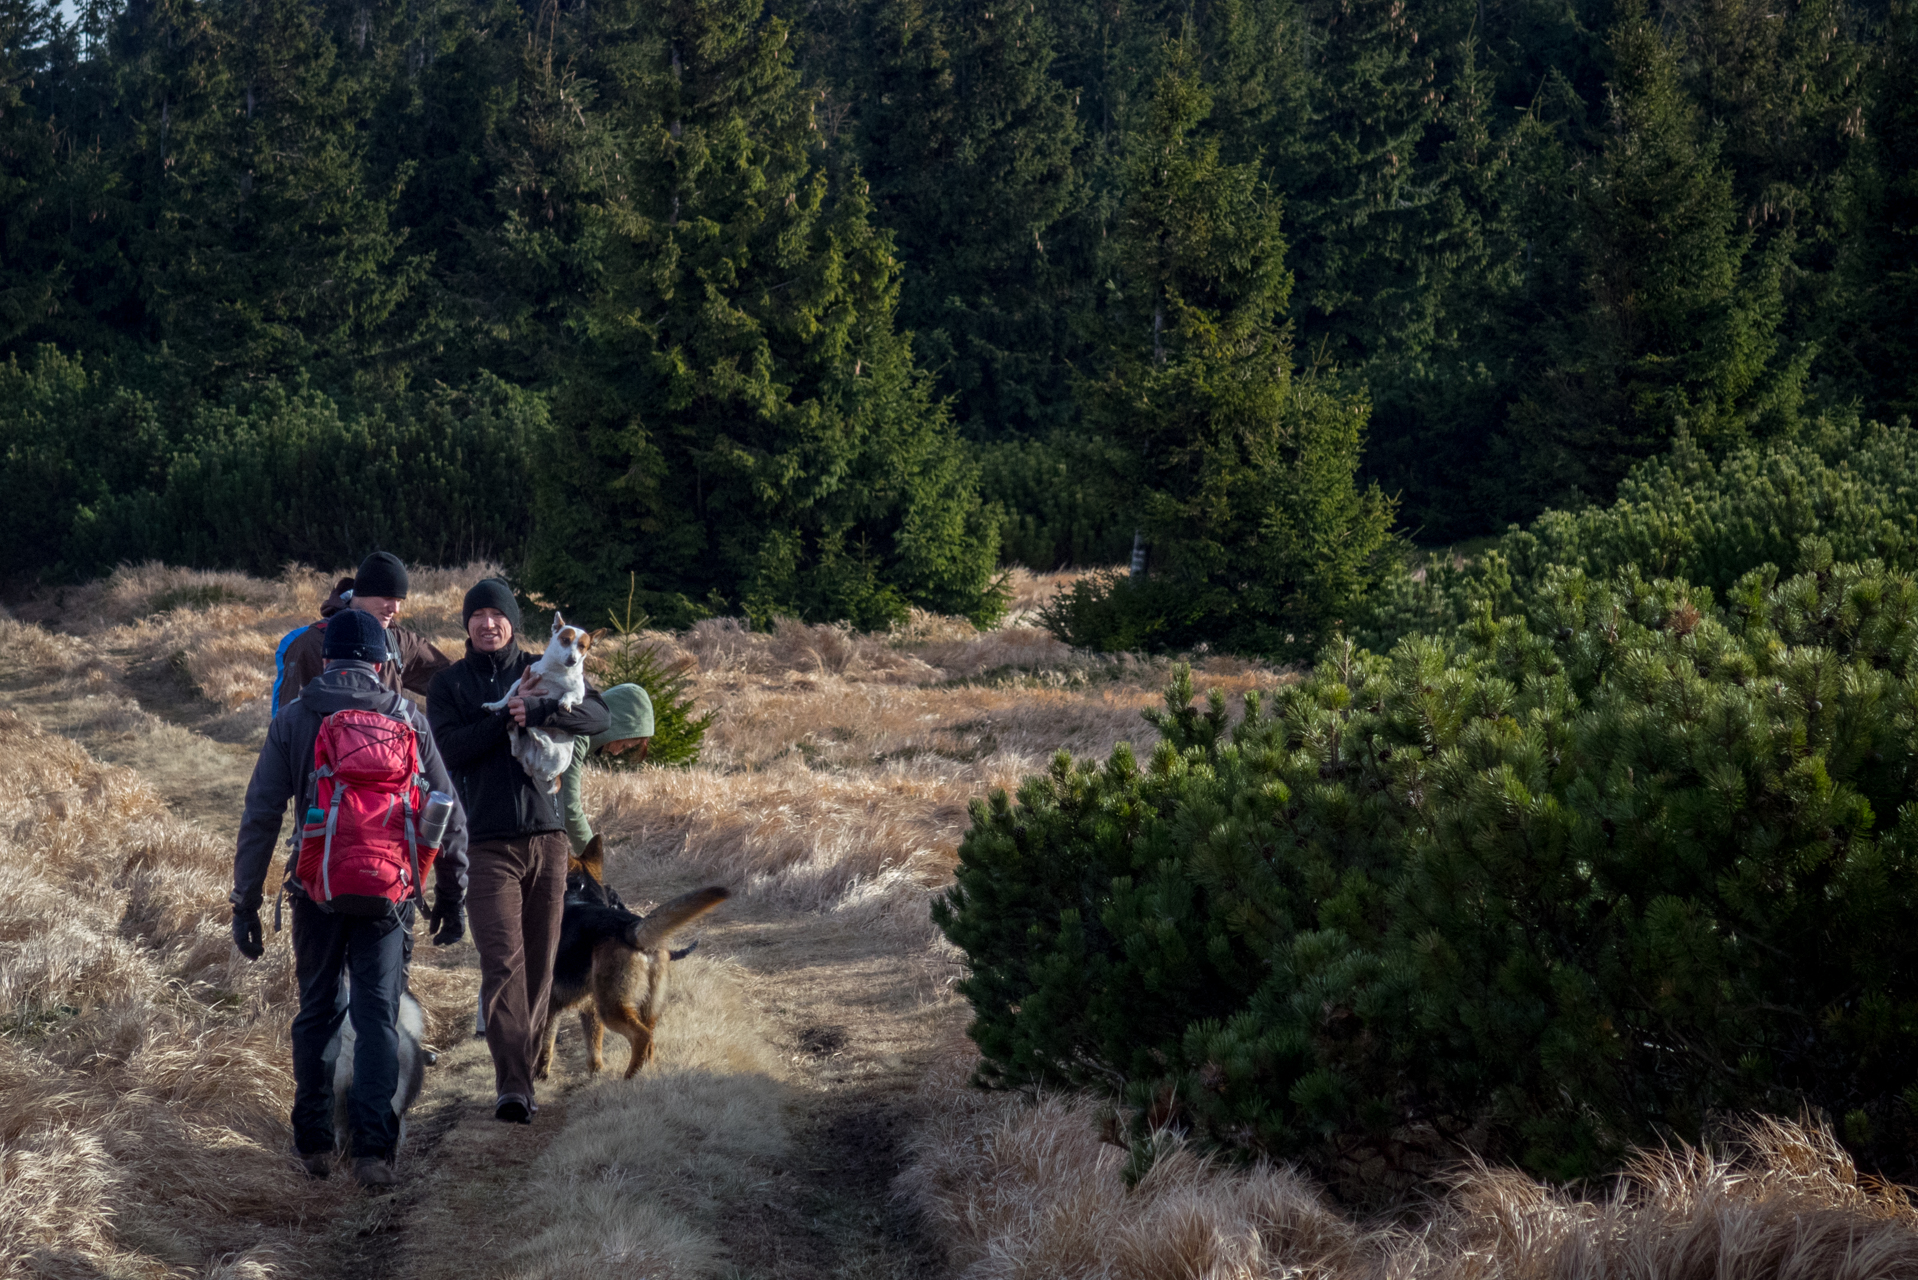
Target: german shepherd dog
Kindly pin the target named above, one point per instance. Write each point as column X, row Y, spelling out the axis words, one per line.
column 612, row 963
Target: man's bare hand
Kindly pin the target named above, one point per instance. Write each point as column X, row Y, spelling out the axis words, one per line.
column 529, row 684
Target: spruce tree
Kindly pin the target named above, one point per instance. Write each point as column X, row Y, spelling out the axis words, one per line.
column 1436, row 402
column 1259, row 537
column 1677, row 321
column 1359, row 189
column 970, row 144
column 738, row 423
column 31, row 280
column 1871, row 324
column 264, row 245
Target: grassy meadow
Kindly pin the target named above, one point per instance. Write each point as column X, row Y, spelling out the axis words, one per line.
column 809, row 1113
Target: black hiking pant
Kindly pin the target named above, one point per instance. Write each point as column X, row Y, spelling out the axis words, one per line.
column 374, row 953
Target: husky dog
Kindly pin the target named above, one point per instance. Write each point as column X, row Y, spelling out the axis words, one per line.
column 414, row 1059
column 613, row 963
column 546, row 754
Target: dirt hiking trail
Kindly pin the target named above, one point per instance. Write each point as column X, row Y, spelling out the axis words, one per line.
column 849, row 1020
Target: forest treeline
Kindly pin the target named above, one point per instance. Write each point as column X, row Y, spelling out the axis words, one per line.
column 826, row 307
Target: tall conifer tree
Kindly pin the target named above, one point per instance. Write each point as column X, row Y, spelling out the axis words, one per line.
column 1678, row 327
column 1871, row 326
column 1259, row 536
column 739, row 423
column 31, row 279
column 971, row 147
column 265, row 245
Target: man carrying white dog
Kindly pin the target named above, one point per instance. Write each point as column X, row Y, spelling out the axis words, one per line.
column 519, row 848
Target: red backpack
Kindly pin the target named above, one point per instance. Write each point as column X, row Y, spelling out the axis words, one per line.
column 359, row 846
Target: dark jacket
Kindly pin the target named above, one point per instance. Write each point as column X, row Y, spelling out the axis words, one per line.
column 501, row 801
column 283, row 771
column 415, row 661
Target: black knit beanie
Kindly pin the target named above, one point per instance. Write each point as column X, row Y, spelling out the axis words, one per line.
column 381, row 574
column 490, row 593
column 354, row 635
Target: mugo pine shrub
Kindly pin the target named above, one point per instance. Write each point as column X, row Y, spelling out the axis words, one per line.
column 1686, row 514
column 1539, row 893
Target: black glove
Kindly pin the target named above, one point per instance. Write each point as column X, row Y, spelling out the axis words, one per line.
column 447, row 919
column 247, row 935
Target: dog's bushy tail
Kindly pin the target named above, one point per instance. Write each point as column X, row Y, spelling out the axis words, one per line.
column 651, row 932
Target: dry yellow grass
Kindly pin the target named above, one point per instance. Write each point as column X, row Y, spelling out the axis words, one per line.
column 221, row 629
column 142, row 1069
column 633, row 1185
column 1018, row 1189
column 1025, row 1188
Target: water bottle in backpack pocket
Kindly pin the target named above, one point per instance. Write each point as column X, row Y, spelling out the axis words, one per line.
column 361, row 849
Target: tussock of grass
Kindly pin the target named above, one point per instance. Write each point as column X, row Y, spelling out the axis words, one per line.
column 1018, row 1190
column 1013, row 1188
column 1774, row 1199
column 635, row 1182
column 143, row 1074
column 1032, row 592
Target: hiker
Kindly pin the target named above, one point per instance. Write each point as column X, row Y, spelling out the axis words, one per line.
column 377, row 587
column 518, row 846
column 366, row 885
column 631, row 710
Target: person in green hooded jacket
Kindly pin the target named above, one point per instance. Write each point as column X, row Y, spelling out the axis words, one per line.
column 631, row 729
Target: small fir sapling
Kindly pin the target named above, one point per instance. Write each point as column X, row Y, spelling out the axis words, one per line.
column 626, row 657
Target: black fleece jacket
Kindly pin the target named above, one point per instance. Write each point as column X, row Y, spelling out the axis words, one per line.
column 285, row 767
column 500, row 800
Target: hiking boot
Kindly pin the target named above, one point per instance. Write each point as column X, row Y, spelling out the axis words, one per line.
column 317, row 1164
column 374, row 1173
column 513, row 1109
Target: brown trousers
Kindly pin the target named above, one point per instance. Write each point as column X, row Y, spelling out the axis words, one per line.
column 515, row 894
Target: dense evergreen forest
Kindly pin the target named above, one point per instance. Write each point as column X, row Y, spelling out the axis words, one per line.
column 828, row 306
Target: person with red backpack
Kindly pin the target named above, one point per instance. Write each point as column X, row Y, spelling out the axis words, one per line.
column 360, row 762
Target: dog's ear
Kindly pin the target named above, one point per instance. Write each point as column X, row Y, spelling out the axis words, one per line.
column 591, row 638
column 574, row 866
column 559, row 622
column 592, row 860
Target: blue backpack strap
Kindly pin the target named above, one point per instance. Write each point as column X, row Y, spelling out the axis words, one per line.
column 279, row 660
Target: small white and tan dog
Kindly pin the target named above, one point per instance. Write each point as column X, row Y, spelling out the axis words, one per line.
column 545, row 753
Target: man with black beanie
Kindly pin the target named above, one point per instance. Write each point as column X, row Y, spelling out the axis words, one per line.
column 519, row 848
column 374, row 949
column 378, row 588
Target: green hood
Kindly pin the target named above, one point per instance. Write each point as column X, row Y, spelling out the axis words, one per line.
column 632, row 714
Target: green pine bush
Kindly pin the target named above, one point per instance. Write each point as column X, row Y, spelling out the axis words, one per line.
column 99, row 472
column 1538, row 892
column 1850, row 486
column 1063, row 506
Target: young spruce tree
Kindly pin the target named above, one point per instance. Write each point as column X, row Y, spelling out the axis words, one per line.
column 1259, row 536
column 738, row 422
